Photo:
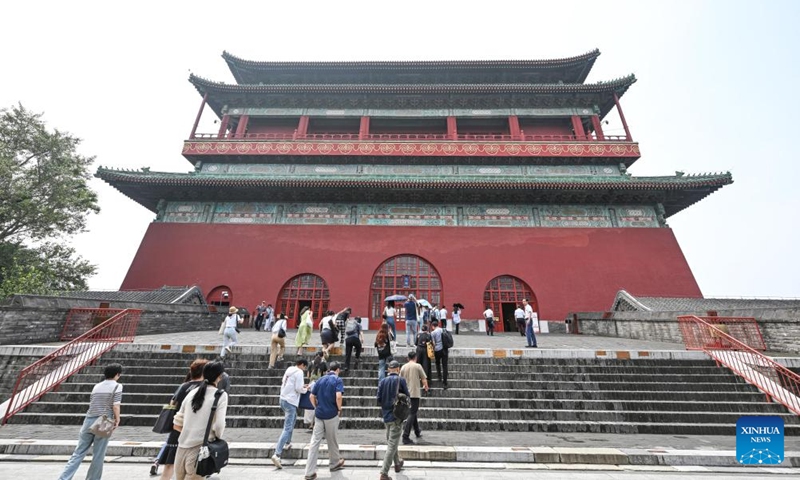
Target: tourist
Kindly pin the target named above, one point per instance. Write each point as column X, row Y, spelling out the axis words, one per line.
column 435, row 311
column 318, row 368
column 193, row 379
column 423, row 340
column 354, row 340
column 230, row 327
column 411, row 308
column 488, row 315
column 456, row 316
column 388, row 317
column 326, row 396
column 105, row 399
column 530, row 317
column 292, row 386
column 426, row 315
column 519, row 316
column 414, row 375
column 383, row 342
column 269, row 317
column 192, row 420
column 388, row 389
column 443, row 317
column 278, row 344
column 305, row 328
column 341, row 318
column 328, row 333
column 440, row 353
column 260, row 311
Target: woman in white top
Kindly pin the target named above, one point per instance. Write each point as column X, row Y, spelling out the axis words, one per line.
column 326, row 334
column 456, row 318
column 278, row 345
column 192, row 420
column 443, row 317
column 388, row 315
column 229, row 338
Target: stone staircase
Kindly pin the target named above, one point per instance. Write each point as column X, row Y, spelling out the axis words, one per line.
column 680, row 397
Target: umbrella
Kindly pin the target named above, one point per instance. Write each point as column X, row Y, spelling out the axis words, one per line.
column 425, row 303
column 395, row 298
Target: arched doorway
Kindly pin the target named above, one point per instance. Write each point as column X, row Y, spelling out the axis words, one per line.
column 402, row 274
column 303, row 290
column 502, row 295
column 220, row 297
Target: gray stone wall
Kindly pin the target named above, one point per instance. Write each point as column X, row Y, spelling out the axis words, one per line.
column 779, row 327
column 21, row 326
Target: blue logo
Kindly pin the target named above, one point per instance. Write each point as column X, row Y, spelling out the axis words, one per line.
column 759, row 440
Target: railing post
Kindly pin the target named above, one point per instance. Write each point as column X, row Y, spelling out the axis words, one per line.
column 622, row 117
column 199, row 113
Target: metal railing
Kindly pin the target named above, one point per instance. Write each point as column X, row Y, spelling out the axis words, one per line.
column 777, row 382
column 697, row 337
column 410, row 137
column 80, row 320
column 47, row 373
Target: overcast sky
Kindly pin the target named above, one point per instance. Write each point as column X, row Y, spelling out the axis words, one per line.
column 717, row 91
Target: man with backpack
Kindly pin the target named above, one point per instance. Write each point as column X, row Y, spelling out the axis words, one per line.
column 354, row 339
column 442, row 342
column 393, row 397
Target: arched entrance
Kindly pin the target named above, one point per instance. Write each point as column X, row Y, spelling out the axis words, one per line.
column 502, row 295
column 402, row 274
column 303, row 290
column 220, row 297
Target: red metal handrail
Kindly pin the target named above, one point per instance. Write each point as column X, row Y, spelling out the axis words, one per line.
column 776, row 381
column 45, row 374
column 353, row 137
column 80, row 320
column 744, row 329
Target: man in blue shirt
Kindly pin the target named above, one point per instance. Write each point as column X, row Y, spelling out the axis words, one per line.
column 387, row 393
column 411, row 307
column 326, row 396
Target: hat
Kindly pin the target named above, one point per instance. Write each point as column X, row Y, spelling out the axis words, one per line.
column 394, row 364
column 282, row 316
column 233, row 310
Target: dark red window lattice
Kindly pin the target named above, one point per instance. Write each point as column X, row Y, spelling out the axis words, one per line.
column 305, row 289
column 403, row 274
column 507, row 289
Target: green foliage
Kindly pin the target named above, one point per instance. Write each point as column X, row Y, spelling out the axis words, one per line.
column 44, row 190
column 44, row 197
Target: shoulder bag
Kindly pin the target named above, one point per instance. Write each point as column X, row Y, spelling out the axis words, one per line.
column 402, row 404
column 213, row 455
column 281, row 330
column 103, row 427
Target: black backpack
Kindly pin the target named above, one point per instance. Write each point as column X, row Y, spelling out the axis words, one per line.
column 402, row 404
column 447, row 339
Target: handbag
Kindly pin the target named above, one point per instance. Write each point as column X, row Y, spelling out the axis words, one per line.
column 305, row 401
column 103, row 427
column 402, row 404
column 393, row 347
column 431, row 351
column 213, row 455
column 164, row 420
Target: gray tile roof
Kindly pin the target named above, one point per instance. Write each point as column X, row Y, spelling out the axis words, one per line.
column 164, row 295
column 625, row 301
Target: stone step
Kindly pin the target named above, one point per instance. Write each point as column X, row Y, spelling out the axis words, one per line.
column 691, row 426
column 747, row 393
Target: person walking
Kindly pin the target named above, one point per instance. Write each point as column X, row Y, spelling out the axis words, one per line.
column 354, row 340
column 278, row 344
column 414, row 375
column 192, row 420
column 389, row 317
column 488, row 315
column 423, row 340
column 440, row 353
column 269, row 317
column 388, row 390
column 260, row 312
column 305, row 329
column 317, row 369
column 383, row 345
column 519, row 316
column 341, row 319
column 456, row 317
column 411, row 308
column 229, row 330
column 193, row 380
column 530, row 317
column 443, row 317
column 292, row 386
column 327, row 332
column 326, row 396
column 106, row 399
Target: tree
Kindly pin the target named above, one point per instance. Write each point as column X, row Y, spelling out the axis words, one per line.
column 44, row 198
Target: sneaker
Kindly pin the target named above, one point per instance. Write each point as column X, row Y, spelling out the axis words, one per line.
column 339, row 465
column 399, row 466
column 153, row 470
column 385, row 477
column 277, row 461
column 445, row 387
column 288, row 446
column 313, row 476
column 408, row 441
column 419, row 434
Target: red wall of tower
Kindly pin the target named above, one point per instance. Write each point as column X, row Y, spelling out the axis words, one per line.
column 569, row 269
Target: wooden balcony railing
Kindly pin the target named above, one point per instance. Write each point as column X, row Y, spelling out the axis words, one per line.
column 412, row 137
